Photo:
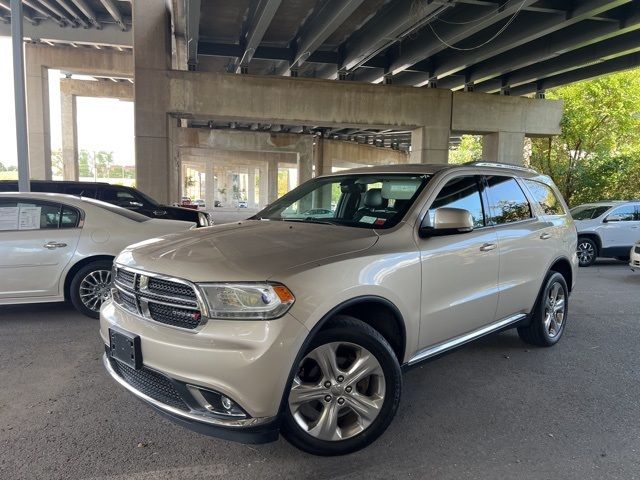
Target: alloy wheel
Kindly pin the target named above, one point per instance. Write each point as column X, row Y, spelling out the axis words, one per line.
column 95, row 288
column 554, row 310
column 338, row 391
column 586, row 253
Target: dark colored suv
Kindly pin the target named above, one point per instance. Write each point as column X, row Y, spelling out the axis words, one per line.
column 119, row 195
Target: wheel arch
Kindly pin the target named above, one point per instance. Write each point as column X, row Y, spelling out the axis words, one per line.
column 563, row 266
column 77, row 266
column 592, row 236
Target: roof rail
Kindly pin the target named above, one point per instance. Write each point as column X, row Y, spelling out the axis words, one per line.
column 501, row 165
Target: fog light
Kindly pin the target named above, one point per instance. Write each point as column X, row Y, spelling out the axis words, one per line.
column 226, row 403
column 217, row 403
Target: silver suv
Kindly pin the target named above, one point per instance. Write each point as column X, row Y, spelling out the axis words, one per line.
column 301, row 322
column 606, row 229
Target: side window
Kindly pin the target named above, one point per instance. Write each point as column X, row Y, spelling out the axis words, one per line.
column 461, row 192
column 70, row 217
column 507, row 202
column 546, row 198
column 81, row 190
column 28, row 215
column 626, row 213
column 121, row 197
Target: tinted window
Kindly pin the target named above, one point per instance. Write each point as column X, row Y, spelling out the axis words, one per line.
column 70, row 217
column 587, row 213
column 626, row 213
column 461, row 192
column 123, row 212
column 28, row 215
column 546, row 198
column 507, row 202
column 81, row 190
column 122, row 197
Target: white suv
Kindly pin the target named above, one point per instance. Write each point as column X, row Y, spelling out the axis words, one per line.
column 302, row 324
column 606, row 229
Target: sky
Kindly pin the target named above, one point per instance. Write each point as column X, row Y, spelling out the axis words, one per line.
column 103, row 123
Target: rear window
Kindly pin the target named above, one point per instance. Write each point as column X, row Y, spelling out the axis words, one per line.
column 587, row 213
column 123, row 212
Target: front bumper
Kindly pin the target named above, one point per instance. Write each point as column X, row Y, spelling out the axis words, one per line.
column 247, row 361
column 634, row 258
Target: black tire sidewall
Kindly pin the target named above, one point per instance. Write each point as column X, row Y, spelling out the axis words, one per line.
column 595, row 251
column 74, row 287
column 370, row 339
column 552, row 278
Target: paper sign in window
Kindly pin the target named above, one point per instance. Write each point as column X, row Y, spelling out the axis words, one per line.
column 8, row 218
column 29, row 218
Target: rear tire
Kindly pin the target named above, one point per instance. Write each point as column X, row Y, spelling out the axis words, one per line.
column 90, row 287
column 549, row 316
column 338, row 406
column 587, row 251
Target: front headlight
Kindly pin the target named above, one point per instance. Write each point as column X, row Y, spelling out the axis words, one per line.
column 247, row 301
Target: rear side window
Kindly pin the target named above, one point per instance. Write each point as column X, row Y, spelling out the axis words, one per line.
column 461, row 192
column 546, row 198
column 36, row 215
column 81, row 190
column 507, row 201
column 626, row 213
column 587, row 213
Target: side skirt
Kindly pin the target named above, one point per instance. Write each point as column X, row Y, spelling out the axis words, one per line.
column 445, row 347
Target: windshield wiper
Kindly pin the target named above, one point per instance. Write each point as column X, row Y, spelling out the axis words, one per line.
column 309, row 220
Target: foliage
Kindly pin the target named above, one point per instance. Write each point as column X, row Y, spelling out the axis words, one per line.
column 9, row 168
column 597, row 156
column 469, row 150
column 57, row 164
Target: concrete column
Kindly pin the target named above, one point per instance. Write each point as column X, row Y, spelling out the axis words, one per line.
column 152, row 49
column 209, row 192
column 430, row 145
column 69, row 129
column 230, row 193
column 264, row 186
column 305, row 161
column 504, row 147
column 272, row 181
column 38, row 124
column 251, row 187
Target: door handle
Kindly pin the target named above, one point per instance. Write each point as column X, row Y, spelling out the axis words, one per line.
column 487, row 247
column 545, row 236
column 159, row 212
column 54, row 245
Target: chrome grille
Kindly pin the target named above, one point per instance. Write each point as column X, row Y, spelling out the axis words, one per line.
column 169, row 301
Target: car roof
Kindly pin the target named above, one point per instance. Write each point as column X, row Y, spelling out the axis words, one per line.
column 64, row 182
column 51, row 197
column 606, row 203
column 432, row 168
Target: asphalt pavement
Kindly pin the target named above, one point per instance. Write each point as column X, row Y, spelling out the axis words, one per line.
column 494, row 409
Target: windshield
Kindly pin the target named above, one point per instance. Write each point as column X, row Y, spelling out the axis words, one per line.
column 365, row 201
column 588, row 212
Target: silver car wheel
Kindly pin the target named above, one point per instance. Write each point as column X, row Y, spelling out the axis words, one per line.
column 554, row 310
column 586, row 253
column 95, row 288
column 338, row 391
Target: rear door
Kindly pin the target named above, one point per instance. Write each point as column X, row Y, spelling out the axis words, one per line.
column 526, row 244
column 620, row 229
column 37, row 241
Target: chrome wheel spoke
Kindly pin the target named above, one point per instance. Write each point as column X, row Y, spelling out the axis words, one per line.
column 364, row 366
column 326, row 427
column 366, row 408
column 94, row 289
column 302, row 393
column 325, row 357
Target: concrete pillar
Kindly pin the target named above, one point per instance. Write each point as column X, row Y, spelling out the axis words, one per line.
column 305, row 160
column 69, row 127
column 231, row 199
column 504, row 147
column 209, row 192
column 251, row 187
column 272, row 180
column 152, row 49
column 264, row 186
column 38, row 123
column 430, row 145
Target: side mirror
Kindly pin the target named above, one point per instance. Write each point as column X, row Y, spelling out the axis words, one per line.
column 446, row 221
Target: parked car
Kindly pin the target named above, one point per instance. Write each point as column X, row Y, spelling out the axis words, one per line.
column 243, row 204
column 127, row 197
column 217, row 203
column 304, row 325
column 60, row 247
column 634, row 257
column 200, row 204
column 606, row 229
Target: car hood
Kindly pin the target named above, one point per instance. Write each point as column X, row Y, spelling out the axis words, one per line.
column 251, row 250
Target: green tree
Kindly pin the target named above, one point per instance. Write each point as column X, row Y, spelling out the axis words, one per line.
column 57, row 163
column 599, row 140
column 84, row 167
column 468, row 150
column 103, row 161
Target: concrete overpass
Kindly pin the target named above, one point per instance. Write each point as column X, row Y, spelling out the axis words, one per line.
column 294, row 73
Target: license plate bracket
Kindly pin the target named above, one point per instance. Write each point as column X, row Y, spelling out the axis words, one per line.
column 125, row 348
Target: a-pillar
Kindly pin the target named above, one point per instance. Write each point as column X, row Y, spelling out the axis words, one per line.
column 504, row 147
column 39, row 129
column 430, row 145
column 69, row 124
column 251, row 187
column 152, row 49
column 272, row 180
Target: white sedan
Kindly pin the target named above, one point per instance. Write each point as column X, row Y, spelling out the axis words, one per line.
column 634, row 257
column 60, row 247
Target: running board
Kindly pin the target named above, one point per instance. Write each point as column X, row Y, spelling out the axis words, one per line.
column 466, row 338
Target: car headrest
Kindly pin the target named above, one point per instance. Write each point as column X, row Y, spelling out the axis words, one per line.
column 373, row 199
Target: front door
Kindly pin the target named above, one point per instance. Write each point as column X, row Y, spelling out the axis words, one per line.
column 37, row 241
column 621, row 228
column 459, row 272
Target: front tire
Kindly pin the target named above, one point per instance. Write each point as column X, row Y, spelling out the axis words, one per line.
column 90, row 287
column 345, row 392
column 587, row 252
column 549, row 316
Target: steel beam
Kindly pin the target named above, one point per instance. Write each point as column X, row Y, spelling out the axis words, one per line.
column 4, row 4
column 111, row 35
column 425, row 44
column 57, row 11
column 88, row 12
column 193, row 31
column 253, row 33
column 609, row 66
column 77, row 18
column 320, row 27
column 115, row 13
column 34, row 6
column 19, row 96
